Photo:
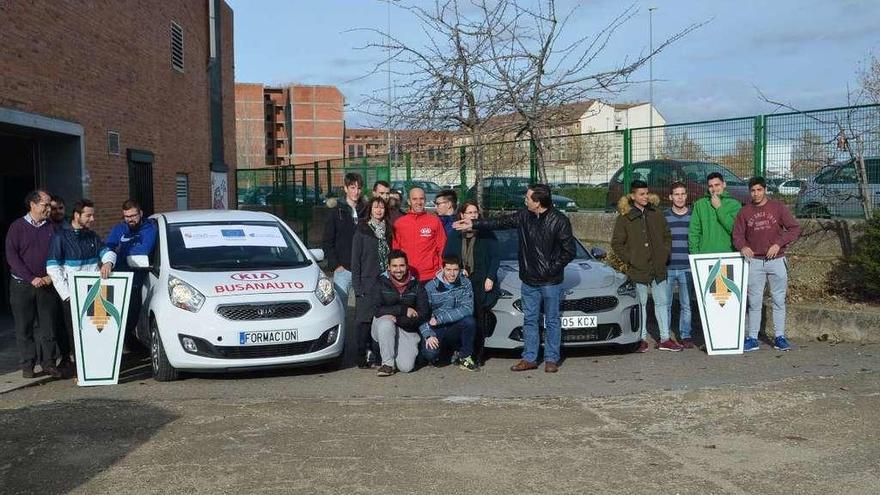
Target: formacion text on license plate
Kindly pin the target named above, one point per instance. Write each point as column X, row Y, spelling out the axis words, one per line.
column 266, row 337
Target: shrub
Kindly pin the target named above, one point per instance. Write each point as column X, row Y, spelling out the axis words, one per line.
column 866, row 258
column 587, row 198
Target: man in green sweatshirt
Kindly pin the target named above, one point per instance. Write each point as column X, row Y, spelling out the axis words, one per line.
column 711, row 228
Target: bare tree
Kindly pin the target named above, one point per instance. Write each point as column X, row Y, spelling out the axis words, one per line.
column 682, row 147
column 809, row 153
column 538, row 69
column 482, row 58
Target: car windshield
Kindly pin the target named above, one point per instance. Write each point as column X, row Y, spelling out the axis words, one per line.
column 218, row 246
column 698, row 172
column 508, row 245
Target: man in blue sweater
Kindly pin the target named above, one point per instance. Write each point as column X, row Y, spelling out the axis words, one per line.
column 135, row 235
column 452, row 326
column 678, row 269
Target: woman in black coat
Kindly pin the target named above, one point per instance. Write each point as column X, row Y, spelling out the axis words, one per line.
column 369, row 258
column 477, row 251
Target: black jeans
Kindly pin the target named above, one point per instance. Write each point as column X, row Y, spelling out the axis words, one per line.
column 33, row 310
column 67, row 350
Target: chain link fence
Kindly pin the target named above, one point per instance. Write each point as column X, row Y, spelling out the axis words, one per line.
column 806, row 157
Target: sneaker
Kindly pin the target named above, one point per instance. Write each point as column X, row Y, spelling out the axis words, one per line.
column 53, row 372
column 385, row 370
column 780, row 344
column 688, row 343
column 751, row 344
column 643, row 347
column 364, row 364
column 468, row 364
column 28, row 373
column 669, row 345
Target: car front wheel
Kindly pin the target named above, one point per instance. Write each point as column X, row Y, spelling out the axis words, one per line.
column 162, row 369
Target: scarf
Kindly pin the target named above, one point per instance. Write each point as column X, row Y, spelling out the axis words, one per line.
column 382, row 244
column 400, row 286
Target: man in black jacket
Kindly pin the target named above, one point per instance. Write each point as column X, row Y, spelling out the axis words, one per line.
column 546, row 245
column 401, row 308
column 339, row 232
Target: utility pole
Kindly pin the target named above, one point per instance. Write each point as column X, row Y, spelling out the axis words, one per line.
column 388, row 120
column 651, row 83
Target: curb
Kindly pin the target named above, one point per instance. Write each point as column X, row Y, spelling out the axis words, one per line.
column 14, row 381
column 836, row 325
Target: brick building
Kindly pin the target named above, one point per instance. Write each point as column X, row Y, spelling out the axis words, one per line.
column 133, row 99
column 287, row 125
column 373, row 142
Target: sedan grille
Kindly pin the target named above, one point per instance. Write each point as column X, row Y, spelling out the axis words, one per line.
column 589, row 304
column 277, row 311
column 603, row 332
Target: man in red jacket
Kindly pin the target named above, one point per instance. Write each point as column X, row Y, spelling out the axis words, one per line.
column 761, row 232
column 421, row 236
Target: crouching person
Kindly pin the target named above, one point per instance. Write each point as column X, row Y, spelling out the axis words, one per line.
column 401, row 308
column 452, row 326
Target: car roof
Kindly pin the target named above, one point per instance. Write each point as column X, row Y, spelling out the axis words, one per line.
column 215, row 216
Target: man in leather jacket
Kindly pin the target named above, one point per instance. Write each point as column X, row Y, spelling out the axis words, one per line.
column 546, row 245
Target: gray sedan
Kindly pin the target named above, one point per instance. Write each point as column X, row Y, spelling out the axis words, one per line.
column 599, row 305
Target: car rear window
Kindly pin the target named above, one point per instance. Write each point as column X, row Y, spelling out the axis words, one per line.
column 508, row 245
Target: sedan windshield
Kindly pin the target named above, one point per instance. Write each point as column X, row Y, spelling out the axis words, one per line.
column 218, row 246
column 508, row 246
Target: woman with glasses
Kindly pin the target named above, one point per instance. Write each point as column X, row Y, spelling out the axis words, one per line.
column 369, row 258
column 478, row 253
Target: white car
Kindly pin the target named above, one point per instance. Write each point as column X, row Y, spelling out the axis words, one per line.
column 790, row 187
column 235, row 290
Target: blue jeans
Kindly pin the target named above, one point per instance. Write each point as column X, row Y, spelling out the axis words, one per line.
column 661, row 312
column 776, row 271
column 685, row 284
column 342, row 283
column 532, row 296
column 452, row 336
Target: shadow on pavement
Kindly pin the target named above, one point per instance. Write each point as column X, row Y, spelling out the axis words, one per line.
column 56, row 447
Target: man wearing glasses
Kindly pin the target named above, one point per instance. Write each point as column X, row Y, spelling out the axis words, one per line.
column 447, row 203
column 133, row 236
column 31, row 297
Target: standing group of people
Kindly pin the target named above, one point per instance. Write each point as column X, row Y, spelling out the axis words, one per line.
column 425, row 283
column 43, row 250
column 655, row 245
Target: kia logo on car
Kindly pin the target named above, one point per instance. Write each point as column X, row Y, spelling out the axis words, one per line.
column 250, row 277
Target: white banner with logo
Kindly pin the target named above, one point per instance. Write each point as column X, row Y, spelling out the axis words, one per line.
column 721, row 282
column 99, row 308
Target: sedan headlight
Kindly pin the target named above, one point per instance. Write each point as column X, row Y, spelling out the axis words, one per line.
column 324, row 290
column 184, row 296
column 628, row 288
column 505, row 294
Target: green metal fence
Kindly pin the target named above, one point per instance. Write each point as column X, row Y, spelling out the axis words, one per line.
column 806, row 157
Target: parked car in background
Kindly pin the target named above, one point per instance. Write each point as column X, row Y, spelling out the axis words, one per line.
column 431, row 189
column 598, row 307
column 834, row 190
column 508, row 193
column 790, row 187
column 232, row 289
column 660, row 174
column 254, row 196
column 773, row 183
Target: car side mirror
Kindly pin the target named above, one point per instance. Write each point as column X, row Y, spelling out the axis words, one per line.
column 139, row 262
column 318, row 254
column 598, row 253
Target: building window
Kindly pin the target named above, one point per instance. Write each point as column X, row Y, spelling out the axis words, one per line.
column 360, row 150
column 182, row 192
column 350, row 150
column 113, row 143
column 176, row 47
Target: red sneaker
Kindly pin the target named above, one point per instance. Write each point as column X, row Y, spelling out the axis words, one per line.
column 643, row 347
column 688, row 343
column 670, row 345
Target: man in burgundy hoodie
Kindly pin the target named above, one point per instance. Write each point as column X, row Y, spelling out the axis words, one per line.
column 761, row 232
column 421, row 236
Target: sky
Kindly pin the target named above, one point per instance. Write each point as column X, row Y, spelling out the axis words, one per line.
column 804, row 53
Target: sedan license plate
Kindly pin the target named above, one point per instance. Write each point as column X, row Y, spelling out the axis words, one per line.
column 267, row 337
column 588, row 321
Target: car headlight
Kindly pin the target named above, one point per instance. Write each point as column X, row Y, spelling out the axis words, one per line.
column 184, row 296
column 517, row 305
column 571, row 204
column 628, row 288
column 324, row 290
column 505, row 294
